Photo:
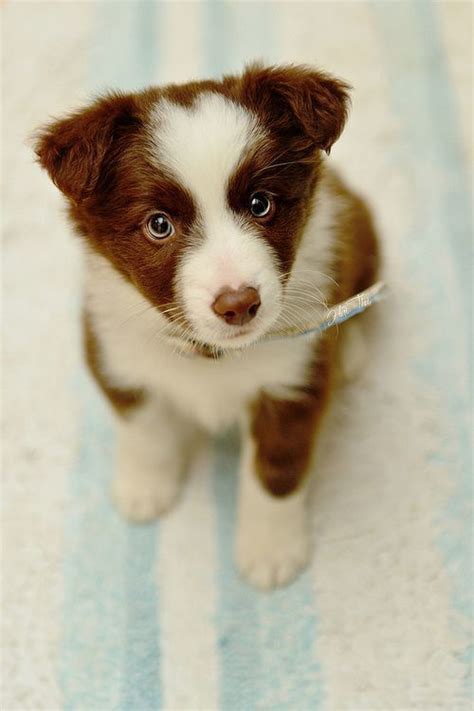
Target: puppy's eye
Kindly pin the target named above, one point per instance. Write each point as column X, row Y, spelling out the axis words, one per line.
column 159, row 226
column 261, row 205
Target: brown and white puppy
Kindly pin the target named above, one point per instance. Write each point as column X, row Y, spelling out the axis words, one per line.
column 211, row 220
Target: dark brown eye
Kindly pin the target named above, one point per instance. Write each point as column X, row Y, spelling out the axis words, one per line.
column 159, row 226
column 261, row 205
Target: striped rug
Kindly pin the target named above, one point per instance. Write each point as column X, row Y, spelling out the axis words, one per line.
column 102, row 615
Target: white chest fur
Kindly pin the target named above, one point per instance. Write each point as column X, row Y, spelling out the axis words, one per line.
column 135, row 354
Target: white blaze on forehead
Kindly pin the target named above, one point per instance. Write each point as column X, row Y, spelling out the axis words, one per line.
column 203, row 144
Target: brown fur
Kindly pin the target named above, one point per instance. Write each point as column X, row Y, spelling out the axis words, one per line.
column 284, row 430
column 302, row 107
column 290, row 181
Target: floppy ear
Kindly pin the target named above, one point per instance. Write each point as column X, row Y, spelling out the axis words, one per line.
column 73, row 149
column 298, row 99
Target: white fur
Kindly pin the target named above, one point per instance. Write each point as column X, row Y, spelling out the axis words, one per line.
column 136, row 353
column 150, row 460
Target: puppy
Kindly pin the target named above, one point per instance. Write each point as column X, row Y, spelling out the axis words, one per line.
column 210, row 220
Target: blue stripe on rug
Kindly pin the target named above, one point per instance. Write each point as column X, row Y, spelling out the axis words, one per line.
column 124, row 49
column 94, row 595
column 267, row 641
column 218, row 37
column 237, row 614
column 141, row 689
column 110, row 650
column 237, row 33
column 426, row 109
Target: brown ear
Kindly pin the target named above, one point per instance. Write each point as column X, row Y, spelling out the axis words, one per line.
column 298, row 98
column 73, row 149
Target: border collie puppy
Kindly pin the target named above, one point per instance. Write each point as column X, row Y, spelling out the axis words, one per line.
column 210, row 221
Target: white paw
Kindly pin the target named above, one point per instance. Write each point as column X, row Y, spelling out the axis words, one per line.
column 144, row 497
column 269, row 560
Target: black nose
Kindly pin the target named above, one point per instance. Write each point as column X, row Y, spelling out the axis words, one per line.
column 237, row 307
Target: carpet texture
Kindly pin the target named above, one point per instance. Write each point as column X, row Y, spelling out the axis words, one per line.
column 99, row 614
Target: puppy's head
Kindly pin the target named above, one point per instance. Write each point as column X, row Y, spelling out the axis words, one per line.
column 198, row 194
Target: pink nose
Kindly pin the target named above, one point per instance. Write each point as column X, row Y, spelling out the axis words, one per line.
column 237, row 307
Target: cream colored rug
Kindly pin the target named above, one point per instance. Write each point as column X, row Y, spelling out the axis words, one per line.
column 98, row 614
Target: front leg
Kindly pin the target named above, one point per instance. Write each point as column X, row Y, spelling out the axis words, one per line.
column 273, row 542
column 273, row 537
column 153, row 441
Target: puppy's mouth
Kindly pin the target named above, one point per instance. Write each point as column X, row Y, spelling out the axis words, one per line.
column 239, row 335
column 234, row 341
column 190, row 339
column 236, row 337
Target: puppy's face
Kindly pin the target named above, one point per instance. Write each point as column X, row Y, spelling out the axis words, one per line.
column 198, row 194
